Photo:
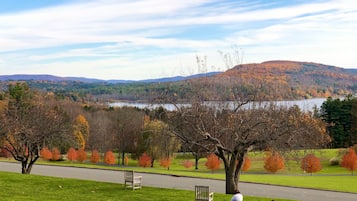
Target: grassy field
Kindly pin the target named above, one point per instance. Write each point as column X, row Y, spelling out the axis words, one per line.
column 17, row 187
column 330, row 178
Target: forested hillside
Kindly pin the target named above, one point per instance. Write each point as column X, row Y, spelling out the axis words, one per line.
column 272, row 80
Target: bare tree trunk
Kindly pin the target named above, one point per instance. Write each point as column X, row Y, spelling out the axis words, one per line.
column 196, row 161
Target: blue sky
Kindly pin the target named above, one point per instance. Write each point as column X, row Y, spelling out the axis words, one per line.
column 140, row 39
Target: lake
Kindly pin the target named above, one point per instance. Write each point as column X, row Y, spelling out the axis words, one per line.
column 305, row 105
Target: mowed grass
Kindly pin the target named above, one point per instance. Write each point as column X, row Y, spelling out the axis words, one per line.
column 18, row 187
column 334, row 178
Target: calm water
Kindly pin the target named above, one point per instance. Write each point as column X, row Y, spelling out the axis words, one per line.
column 306, row 105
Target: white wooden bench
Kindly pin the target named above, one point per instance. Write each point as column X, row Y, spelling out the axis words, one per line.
column 131, row 181
column 202, row 193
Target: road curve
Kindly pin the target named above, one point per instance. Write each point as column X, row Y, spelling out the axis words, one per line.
column 186, row 183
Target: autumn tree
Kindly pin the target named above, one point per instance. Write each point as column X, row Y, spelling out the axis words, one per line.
column 45, row 153
column 81, row 155
column 72, row 154
column 232, row 129
column 158, row 141
column 165, row 162
column 310, row 164
column 144, row 160
column 29, row 122
column 56, row 154
column 109, row 158
column 349, row 160
column 81, row 130
column 213, row 162
column 95, row 157
column 273, row 162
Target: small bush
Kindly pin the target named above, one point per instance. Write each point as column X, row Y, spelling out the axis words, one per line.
column 213, row 163
column 81, row 155
column 95, row 157
column 45, row 153
column 165, row 162
column 187, row 164
column 72, row 154
column 144, row 160
column 334, row 161
column 56, row 154
column 109, row 158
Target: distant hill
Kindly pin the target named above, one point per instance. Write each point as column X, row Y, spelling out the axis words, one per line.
column 292, row 80
column 275, row 80
column 52, row 78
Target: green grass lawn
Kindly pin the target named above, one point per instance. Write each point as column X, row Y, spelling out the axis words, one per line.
column 18, row 187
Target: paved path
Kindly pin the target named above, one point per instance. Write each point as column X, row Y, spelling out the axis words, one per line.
column 166, row 181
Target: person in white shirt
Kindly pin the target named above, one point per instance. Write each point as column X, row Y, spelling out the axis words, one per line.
column 237, row 196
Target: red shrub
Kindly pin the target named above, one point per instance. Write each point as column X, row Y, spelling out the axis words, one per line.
column 274, row 162
column 81, row 155
column 213, row 163
column 56, row 154
column 95, row 157
column 109, row 158
column 4, row 153
column 145, row 160
column 72, row 154
column 310, row 164
column 165, row 162
column 349, row 160
column 246, row 165
column 187, row 164
column 45, row 153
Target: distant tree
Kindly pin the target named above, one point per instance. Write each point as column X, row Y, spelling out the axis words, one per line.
column 45, row 153
column 310, row 164
column 144, row 160
column 29, row 122
column 213, row 163
column 349, row 160
column 81, row 155
column 340, row 116
column 72, row 154
column 56, row 154
column 126, row 161
column 273, row 162
column 81, row 130
column 95, row 157
column 109, row 158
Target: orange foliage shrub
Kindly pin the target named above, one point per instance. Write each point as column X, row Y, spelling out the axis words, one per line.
column 45, row 153
column 109, row 158
column 56, row 154
column 72, row 154
column 144, row 160
column 81, row 155
column 349, row 160
column 246, row 165
column 187, row 164
column 274, row 162
column 310, row 164
column 213, row 163
column 95, row 157
column 165, row 162
column 126, row 161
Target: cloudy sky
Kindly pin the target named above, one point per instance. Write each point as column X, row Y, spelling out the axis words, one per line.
column 139, row 39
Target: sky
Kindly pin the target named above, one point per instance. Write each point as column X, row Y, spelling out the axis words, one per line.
column 143, row 39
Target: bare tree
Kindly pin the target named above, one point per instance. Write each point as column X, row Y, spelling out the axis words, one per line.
column 232, row 130
column 29, row 122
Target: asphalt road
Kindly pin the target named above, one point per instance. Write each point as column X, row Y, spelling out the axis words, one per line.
column 186, row 183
